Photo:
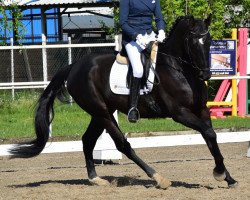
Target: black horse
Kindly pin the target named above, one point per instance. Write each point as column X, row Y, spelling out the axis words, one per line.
column 183, row 67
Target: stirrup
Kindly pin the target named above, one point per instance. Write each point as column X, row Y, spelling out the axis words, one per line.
column 133, row 115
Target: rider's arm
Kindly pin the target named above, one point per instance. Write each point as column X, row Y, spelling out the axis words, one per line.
column 159, row 20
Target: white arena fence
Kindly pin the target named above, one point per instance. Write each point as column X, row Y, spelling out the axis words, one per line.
column 32, row 66
column 39, row 68
column 105, row 148
column 40, row 65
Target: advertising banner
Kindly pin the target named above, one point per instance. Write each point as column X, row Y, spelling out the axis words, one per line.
column 222, row 57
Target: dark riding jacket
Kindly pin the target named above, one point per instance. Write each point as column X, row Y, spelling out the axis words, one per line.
column 136, row 17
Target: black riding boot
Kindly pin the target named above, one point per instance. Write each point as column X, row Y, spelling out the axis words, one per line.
column 133, row 113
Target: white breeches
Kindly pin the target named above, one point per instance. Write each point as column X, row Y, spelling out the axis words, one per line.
column 134, row 54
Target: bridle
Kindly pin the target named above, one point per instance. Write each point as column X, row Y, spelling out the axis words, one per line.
column 198, row 35
column 190, row 62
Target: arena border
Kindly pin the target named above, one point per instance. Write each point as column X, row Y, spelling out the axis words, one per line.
column 108, row 148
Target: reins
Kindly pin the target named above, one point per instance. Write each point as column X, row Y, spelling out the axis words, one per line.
column 176, row 58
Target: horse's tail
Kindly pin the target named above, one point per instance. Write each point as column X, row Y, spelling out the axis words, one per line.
column 43, row 117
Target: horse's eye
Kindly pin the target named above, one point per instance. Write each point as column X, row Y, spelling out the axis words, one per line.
column 201, row 41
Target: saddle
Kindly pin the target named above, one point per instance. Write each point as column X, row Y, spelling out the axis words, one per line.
column 147, row 56
column 122, row 56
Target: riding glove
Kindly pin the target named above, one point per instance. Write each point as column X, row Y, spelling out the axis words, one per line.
column 141, row 40
column 161, row 36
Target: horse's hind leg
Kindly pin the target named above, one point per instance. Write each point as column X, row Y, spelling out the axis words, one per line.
column 89, row 139
column 123, row 146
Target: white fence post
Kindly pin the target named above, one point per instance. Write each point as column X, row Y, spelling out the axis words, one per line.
column 45, row 71
column 12, row 68
column 70, row 62
column 118, row 41
column 69, row 52
column 117, row 47
column 44, row 54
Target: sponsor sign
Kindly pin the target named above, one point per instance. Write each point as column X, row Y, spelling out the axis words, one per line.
column 222, row 57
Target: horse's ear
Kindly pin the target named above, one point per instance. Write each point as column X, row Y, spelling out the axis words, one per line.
column 191, row 22
column 208, row 20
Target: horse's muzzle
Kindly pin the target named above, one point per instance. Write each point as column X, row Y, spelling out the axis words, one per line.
column 205, row 75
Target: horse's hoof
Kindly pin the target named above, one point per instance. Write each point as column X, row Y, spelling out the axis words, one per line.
column 162, row 183
column 99, row 181
column 219, row 177
column 233, row 185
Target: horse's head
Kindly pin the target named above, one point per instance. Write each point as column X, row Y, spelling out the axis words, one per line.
column 197, row 46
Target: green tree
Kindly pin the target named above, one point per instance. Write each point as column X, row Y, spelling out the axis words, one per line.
column 199, row 9
column 227, row 14
column 171, row 10
column 10, row 23
column 116, row 29
column 238, row 13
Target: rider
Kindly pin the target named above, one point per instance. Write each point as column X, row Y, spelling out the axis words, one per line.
column 136, row 18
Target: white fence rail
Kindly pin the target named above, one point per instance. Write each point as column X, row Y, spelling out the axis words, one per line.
column 107, row 146
column 42, row 84
column 56, row 46
column 24, row 85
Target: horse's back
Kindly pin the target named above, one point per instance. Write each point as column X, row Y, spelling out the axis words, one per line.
column 89, row 67
column 89, row 78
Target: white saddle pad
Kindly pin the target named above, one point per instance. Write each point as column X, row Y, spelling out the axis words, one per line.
column 118, row 76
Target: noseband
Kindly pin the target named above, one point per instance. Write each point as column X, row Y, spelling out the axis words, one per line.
column 200, row 34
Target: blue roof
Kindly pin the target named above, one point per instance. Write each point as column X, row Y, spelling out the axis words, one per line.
column 36, row 3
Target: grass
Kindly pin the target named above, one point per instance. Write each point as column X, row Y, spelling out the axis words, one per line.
column 70, row 122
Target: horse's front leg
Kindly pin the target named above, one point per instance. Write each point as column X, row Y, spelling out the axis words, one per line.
column 202, row 124
column 220, row 172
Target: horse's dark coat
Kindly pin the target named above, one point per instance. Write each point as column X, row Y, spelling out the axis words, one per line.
column 182, row 65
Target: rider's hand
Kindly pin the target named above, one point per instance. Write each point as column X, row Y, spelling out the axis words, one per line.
column 161, row 36
column 141, row 40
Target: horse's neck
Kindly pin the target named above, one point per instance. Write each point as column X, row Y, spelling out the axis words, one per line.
column 177, row 59
column 173, row 51
column 174, row 47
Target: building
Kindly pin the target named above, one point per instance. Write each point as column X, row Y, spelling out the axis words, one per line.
column 58, row 19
